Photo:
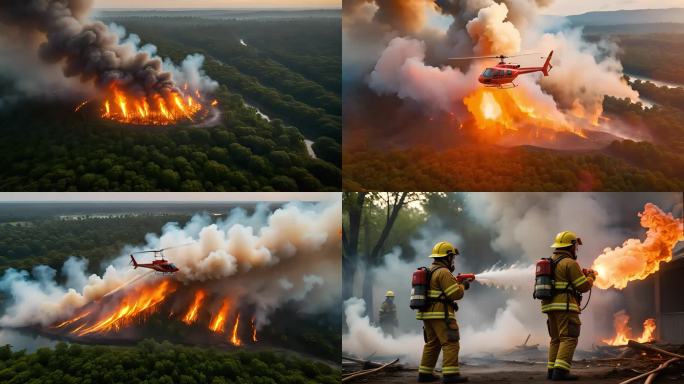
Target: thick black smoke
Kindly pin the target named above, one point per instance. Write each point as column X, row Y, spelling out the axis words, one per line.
column 89, row 49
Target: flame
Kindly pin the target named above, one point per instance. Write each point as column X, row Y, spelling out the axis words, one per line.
column 137, row 302
column 191, row 315
column 235, row 339
column 502, row 111
column 71, row 321
column 81, row 105
column 219, row 319
column 152, row 109
column 623, row 333
column 254, row 330
column 636, row 259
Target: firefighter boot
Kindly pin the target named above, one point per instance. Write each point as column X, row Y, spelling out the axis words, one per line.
column 427, row 378
column 549, row 375
column 560, row 374
column 454, row 379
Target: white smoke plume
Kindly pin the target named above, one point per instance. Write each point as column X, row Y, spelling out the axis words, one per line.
column 265, row 260
column 413, row 63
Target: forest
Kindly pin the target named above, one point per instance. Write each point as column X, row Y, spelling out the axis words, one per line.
column 654, row 164
column 161, row 363
column 51, row 241
column 58, row 150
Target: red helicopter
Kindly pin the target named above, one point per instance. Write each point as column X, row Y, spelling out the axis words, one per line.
column 502, row 75
column 159, row 264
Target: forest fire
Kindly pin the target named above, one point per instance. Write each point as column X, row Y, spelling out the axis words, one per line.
column 501, row 111
column 191, row 315
column 637, row 259
column 175, row 107
column 623, row 333
column 139, row 302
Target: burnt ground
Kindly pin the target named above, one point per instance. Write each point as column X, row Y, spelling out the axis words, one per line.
column 510, row 373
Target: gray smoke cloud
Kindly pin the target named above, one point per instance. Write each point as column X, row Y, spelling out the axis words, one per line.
column 264, row 259
column 93, row 52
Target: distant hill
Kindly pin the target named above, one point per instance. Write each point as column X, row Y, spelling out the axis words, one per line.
column 240, row 14
column 639, row 16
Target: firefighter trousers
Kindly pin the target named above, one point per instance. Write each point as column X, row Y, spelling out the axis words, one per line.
column 440, row 337
column 564, row 329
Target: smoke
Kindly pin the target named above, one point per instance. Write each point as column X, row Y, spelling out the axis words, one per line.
column 411, row 58
column 636, row 259
column 290, row 254
column 93, row 52
column 501, row 236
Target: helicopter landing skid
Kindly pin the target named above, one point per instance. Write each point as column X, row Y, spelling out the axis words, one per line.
column 503, row 86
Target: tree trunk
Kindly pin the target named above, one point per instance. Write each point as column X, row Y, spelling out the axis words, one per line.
column 367, row 288
column 350, row 239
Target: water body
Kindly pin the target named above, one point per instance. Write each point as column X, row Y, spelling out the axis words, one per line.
column 309, row 148
column 242, row 42
column 258, row 112
column 21, row 339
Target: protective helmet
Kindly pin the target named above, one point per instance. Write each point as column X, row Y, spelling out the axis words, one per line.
column 566, row 239
column 389, row 294
column 443, row 249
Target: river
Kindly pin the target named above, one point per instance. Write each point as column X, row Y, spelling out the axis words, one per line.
column 656, row 82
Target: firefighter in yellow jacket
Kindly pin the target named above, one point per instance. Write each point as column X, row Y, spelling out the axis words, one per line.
column 564, row 308
column 440, row 329
column 387, row 316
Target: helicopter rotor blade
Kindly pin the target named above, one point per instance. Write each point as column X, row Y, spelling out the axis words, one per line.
column 148, row 251
column 473, row 58
column 177, row 246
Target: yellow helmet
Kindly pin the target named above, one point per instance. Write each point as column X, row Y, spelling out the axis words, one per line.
column 443, row 249
column 565, row 239
column 389, row 294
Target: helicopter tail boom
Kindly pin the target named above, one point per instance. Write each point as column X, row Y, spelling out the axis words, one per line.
column 135, row 263
column 547, row 65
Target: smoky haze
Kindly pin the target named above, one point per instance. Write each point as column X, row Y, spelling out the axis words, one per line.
column 503, row 235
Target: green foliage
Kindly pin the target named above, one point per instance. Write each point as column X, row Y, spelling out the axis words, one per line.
column 657, row 56
column 152, row 362
column 52, row 241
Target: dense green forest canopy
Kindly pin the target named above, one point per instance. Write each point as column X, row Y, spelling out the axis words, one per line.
column 290, row 70
column 51, row 241
column 151, row 362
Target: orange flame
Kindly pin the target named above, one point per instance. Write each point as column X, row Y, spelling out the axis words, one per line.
column 636, row 259
column 499, row 111
column 235, row 339
column 137, row 302
column 137, row 109
column 254, row 330
column 191, row 315
column 219, row 319
column 623, row 333
column 71, row 321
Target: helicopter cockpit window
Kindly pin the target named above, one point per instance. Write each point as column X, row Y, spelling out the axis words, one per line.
column 172, row 266
column 487, row 73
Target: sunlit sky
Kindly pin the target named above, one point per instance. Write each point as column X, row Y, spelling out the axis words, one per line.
column 573, row 7
column 168, row 196
column 166, row 4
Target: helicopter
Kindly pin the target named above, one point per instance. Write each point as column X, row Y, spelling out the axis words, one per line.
column 502, row 75
column 159, row 264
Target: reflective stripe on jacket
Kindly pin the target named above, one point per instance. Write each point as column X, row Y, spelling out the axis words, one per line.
column 441, row 280
column 567, row 274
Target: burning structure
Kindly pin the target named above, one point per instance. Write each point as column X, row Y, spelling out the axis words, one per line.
column 235, row 274
column 131, row 85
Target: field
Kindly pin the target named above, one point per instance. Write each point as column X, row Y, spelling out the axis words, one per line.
column 279, row 128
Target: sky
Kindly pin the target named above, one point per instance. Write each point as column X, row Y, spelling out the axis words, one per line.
column 574, row 7
column 167, row 196
column 166, row 4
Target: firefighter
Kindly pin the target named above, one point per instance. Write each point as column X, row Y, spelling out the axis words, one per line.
column 388, row 314
column 564, row 308
column 440, row 329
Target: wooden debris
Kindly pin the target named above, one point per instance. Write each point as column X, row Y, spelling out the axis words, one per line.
column 365, row 372
column 650, row 348
column 651, row 375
